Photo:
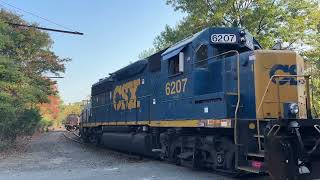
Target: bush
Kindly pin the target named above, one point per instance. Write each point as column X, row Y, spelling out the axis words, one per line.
column 8, row 119
column 45, row 124
column 25, row 56
column 4, row 144
column 13, row 124
column 29, row 121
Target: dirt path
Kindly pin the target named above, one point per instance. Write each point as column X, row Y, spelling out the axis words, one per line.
column 53, row 157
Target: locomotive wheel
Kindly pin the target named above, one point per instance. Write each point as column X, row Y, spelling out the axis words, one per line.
column 172, row 152
column 95, row 139
column 174, row 156
column 84, row 136
column 224, row 156
column 85, row 139
column 170, row 147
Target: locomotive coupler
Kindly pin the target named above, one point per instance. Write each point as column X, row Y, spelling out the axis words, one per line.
column 294, row 146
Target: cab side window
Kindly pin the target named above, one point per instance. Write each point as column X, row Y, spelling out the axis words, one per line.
column 202, row 56
column 94, row 100
column 173, row 65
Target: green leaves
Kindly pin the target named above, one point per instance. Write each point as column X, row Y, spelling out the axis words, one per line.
column 25, row 57
column 146, row 53
column 267, row 20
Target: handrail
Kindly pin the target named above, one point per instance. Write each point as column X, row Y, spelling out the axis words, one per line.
column 212, row 57
column 238, row 101
column 271, row 130
column 263, row 97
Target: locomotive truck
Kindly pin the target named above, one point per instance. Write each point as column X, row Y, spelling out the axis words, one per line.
column 215, row 100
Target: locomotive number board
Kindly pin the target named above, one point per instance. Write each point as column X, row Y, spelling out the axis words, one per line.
column 223, row 38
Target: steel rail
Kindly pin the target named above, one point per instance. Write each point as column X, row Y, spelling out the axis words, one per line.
column 72, row 139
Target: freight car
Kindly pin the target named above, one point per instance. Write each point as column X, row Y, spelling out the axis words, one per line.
column 214, row 100
column 71, row 122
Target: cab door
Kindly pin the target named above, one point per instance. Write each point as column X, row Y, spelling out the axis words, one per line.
column 175, row 101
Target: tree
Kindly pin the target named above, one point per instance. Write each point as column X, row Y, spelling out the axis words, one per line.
column 25, row 58
column 146, row 53
column 295, row 22
column 17, row 117
column 50, row 110
column 10, row 106
column 71, row 108
column 30, row 48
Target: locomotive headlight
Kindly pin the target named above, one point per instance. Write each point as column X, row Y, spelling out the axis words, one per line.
column 294, row 108
column 242, row 33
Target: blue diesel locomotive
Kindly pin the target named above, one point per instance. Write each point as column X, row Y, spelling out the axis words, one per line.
column 214, row 100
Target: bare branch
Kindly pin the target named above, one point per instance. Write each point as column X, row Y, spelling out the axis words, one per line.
column 290, row 44
column 260, row 25
column 229, row 21
column 209, row 6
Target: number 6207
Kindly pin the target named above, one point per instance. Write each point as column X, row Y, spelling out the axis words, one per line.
column 176, row 87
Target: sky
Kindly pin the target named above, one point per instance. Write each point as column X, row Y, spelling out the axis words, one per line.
column 115, row 33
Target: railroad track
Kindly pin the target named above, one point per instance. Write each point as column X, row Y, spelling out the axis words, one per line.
column 73, row 139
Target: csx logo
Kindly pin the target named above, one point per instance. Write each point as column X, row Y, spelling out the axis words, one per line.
column 288, row 69
column 124, row 96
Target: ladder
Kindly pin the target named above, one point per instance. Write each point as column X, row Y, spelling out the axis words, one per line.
column 259, row 155
column 306, row 77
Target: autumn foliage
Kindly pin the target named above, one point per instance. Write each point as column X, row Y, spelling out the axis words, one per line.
column 27, row 98
column 50, row 111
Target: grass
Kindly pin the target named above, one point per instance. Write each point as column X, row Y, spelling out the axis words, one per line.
column 5, row 145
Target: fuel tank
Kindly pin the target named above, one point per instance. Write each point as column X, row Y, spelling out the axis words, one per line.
column 139, row 144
